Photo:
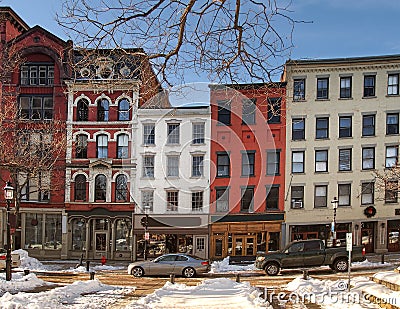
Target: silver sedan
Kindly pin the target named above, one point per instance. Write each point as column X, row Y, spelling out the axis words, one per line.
column 167, row 264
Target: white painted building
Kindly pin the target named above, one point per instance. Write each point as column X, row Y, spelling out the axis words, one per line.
column 172, row 180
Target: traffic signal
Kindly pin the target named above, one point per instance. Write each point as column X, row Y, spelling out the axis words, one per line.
column 143, row 221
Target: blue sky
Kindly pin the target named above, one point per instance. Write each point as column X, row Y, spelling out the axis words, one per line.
column 333, row 28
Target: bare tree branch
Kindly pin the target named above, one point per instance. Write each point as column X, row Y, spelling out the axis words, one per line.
column 229, row 41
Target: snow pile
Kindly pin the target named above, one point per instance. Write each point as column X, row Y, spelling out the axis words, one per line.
column 19, row 283
column 328, row 294
column 224, row 266
column 28, row 262
column 212, row 293
column 369, row 264
column 67, row 296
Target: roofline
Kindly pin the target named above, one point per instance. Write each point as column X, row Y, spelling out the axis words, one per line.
column 245, row 86
column 14, row 16
column 343, row 60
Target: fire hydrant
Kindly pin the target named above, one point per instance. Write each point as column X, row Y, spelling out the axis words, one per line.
column 103, row 260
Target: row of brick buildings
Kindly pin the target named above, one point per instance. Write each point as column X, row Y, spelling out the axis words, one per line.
column 253, row 169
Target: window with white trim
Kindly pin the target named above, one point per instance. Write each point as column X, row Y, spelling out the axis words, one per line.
column 198, row 133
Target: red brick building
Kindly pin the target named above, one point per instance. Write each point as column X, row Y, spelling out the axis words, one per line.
column 33, row 61
column 87, row 206
column 247, row 175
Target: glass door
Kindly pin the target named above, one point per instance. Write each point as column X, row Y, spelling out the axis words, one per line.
column 101, row 243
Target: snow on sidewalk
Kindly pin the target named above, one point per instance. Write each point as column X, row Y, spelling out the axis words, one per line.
column 212, row 293
column 80, row 294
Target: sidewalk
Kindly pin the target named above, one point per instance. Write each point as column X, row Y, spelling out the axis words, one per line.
column 389, row 257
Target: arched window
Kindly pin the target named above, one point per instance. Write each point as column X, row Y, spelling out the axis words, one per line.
column 102, row 110
column 100, row 188
column 122, row 146
column 123, row 110
column 80, row 188
column 81, row 146
column 82, row 110
column 102, row 146
column 121, row 188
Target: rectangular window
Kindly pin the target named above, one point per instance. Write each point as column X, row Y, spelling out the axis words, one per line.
column 299, row 89
column 33, row 74
column 197, row 166
column 248, row 162
column 197, row 201
column 249, row 111
column 344, row 194
column 368, row 125
column 173, row 133
column 148, row 166
column 198, row 133
column 344, row 159
column 172, row 200
column 297, row 197
column 322, row 88
column 36, row 107
column 368, row 158
column 321, row 161
column 367, row 193
column 298, row 128
column 345, row 126
column 273, row 162
column 391, row 191
column 223, row 165
column 369, row 86
column 392, row 123
column 224, row 112
column 393, row 84
column 35, row 187
column 222, row 199
column 274, row 110
column 147, row 201
column 173, row 166
column 320, row 196
column 392, row 154
column 272, row 200
column 102, row 146
column 246, row 204
column 297, row 162
column 149, row 137
column 345, row 87
column 322, row 128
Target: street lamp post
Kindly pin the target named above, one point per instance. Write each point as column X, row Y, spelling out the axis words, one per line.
column 145, row 223
column 334, row 203
column 8, row 195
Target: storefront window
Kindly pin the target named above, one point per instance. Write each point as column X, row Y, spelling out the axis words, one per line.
column 33, row 230
column 101, row 224
column 78, row 234
column 273, row 243
column 123, row 236
column 52, row 234
column 185, row 244
column 155, row 245
column 261, row 243
column 230, row 246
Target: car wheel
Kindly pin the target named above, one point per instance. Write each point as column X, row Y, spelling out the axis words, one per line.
column 137, row 271
column 341, row 265
column 189, row 272
column 272, row 269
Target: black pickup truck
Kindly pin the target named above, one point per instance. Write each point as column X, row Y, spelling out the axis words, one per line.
column 308, row 253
